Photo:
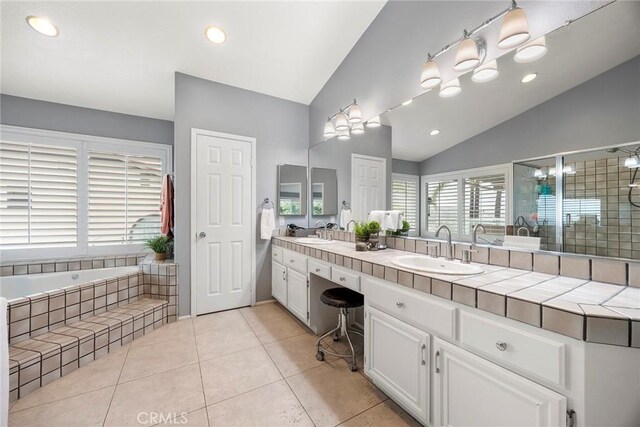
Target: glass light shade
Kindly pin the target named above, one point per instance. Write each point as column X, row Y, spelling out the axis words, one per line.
column 632, row 162
column 486, row 72
column 374, row 122
column 450, row 88
column 531, row 51
column 430, row 76
column 355, row 114
column 538, row 173
column 568, row 170
column 42, row 25
column 343, row 135
column 342, row 122
column 467, row 55
column 514, row 29
column 357, row 129
column 329, row 130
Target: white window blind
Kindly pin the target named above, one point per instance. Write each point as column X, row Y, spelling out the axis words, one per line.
column 442, row 205
column 124, row 197
column 38, row 195
column 404, row 198
column 485, row 203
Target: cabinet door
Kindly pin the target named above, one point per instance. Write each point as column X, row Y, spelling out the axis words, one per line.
column 297, row 294
column 397, row 360
column 471, row 391
column 279, row 282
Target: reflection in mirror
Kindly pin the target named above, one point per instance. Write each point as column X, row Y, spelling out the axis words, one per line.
column 324, row 192
column 292, row 186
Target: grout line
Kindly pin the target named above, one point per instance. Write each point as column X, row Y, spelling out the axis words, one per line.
column 204, row 396
column 56, row 400
column 116, row 386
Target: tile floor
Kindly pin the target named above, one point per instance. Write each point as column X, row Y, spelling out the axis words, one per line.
column 254, row 366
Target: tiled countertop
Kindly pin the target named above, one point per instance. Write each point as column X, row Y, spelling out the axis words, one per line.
column 581, row 309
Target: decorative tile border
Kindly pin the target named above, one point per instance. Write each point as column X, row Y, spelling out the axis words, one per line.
column 16, row 268
column 585, row 322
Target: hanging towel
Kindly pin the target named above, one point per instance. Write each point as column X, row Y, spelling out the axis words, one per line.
column 380, row 218
column 4, row 365
column 166, row 207
column 394, row 220
column 345, row 217
column 267, row 223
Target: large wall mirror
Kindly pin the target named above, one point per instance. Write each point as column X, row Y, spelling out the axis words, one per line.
column 542, row 151
column 324, row 192
column 292, row 190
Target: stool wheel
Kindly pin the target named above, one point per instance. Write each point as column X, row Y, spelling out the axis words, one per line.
column 320, row 355
column 336, row 337
column 353, row 366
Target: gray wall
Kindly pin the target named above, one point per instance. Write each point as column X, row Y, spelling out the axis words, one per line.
column 383, row 68
column 405, row 166
column 602, row 111
column 36, row 114
column 281, row 129
column 336, row 154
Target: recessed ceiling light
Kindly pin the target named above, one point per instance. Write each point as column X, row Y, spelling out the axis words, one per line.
column 434, row 132
column 529, row 77
column 42, row 25
column 407, row 102
column 215, row 34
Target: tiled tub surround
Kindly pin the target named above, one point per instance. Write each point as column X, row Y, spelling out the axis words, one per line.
column 579, row 308
column 56, row 332
column 15, row 268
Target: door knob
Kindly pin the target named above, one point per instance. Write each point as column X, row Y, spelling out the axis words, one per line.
column 202, row 234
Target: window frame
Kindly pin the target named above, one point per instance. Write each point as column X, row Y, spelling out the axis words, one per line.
column 416, row 179
column 460, row 176
column 83, row 144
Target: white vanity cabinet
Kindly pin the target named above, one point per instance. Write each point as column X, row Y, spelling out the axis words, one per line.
column 397, row 360
column 469, row 390
column 289, row 284
column 297, row 294
column 279, row 282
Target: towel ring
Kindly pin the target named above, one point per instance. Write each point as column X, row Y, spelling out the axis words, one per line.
column 266, row 203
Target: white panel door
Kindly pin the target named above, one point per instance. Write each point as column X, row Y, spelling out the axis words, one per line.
column 471, row 391
column 223, row 229
column 297, row 294
column 368, row 185
column 279, row 282
column 397, row 359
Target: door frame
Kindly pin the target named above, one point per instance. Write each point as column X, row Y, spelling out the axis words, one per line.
column 384, row 175
column 192, row 226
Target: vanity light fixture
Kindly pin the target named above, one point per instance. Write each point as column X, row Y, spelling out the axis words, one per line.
column 434, row 132
column 355, row 114
column 552, row 171
column 215, row 34
column 514, row 30
column 486, row 72
column 469, row 54
column 373, row 122
column 531, row 51
column 538, row 173
column 343, row 135
column 342, row 122
column 357, row 129
column 407, row 102
column 42, row 25
column 529, row 77
column 450, row 88
column 632, row 162
column 430, row 76
column 329, row 129
column 568, row 170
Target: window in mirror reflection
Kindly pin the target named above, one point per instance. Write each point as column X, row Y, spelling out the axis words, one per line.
column 442, row 205
column 317, row 190
column 290, row 198
column 404, row 198
column 485, row 203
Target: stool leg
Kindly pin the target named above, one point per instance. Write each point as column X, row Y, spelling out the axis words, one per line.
column 334, row 331
column 353, row 365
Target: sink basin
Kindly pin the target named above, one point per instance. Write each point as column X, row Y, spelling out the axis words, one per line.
column 433, row 265
column 314, row 241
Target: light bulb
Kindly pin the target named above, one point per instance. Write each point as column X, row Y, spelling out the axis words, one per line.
column 215, row 35
column 42, row 25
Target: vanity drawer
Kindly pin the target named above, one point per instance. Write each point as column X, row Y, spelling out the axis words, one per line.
column 345, row 278
column 295, row 261
column 410, row 306
column 320, row 269
column 533, row 353
column 277, row 254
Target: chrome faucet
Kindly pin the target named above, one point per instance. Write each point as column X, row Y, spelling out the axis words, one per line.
column 523, row 228
column 449, row 253
column 349, row 223
column 325, row 229
column 474, row 234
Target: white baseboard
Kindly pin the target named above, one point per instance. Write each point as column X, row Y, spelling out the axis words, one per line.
column 269, row 301
column 188, row 316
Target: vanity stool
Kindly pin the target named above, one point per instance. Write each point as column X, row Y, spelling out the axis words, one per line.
column 344, row 299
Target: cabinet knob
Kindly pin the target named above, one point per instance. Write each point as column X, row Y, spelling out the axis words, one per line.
column 342, row 279
column 399, row 304
column 317, row 270
column 291, row 261
column 501, row 345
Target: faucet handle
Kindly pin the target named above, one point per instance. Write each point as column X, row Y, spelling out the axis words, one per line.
column 466, row 255
column 436, row 247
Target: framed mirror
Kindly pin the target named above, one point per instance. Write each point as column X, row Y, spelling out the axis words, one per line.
column 324, row 192
column 292, row 190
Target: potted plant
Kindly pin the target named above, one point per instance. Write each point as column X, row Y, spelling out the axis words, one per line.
column 405, row 228
column 362, row 236
column 159, row 245
column 374, row 229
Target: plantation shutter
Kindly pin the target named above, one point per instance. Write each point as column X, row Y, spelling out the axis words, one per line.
column 38, row 195
column 442, row 205
column 404, row 198
column 124, row 198
column 485, row 203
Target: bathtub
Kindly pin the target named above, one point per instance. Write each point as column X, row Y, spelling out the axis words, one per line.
column 28, row 284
